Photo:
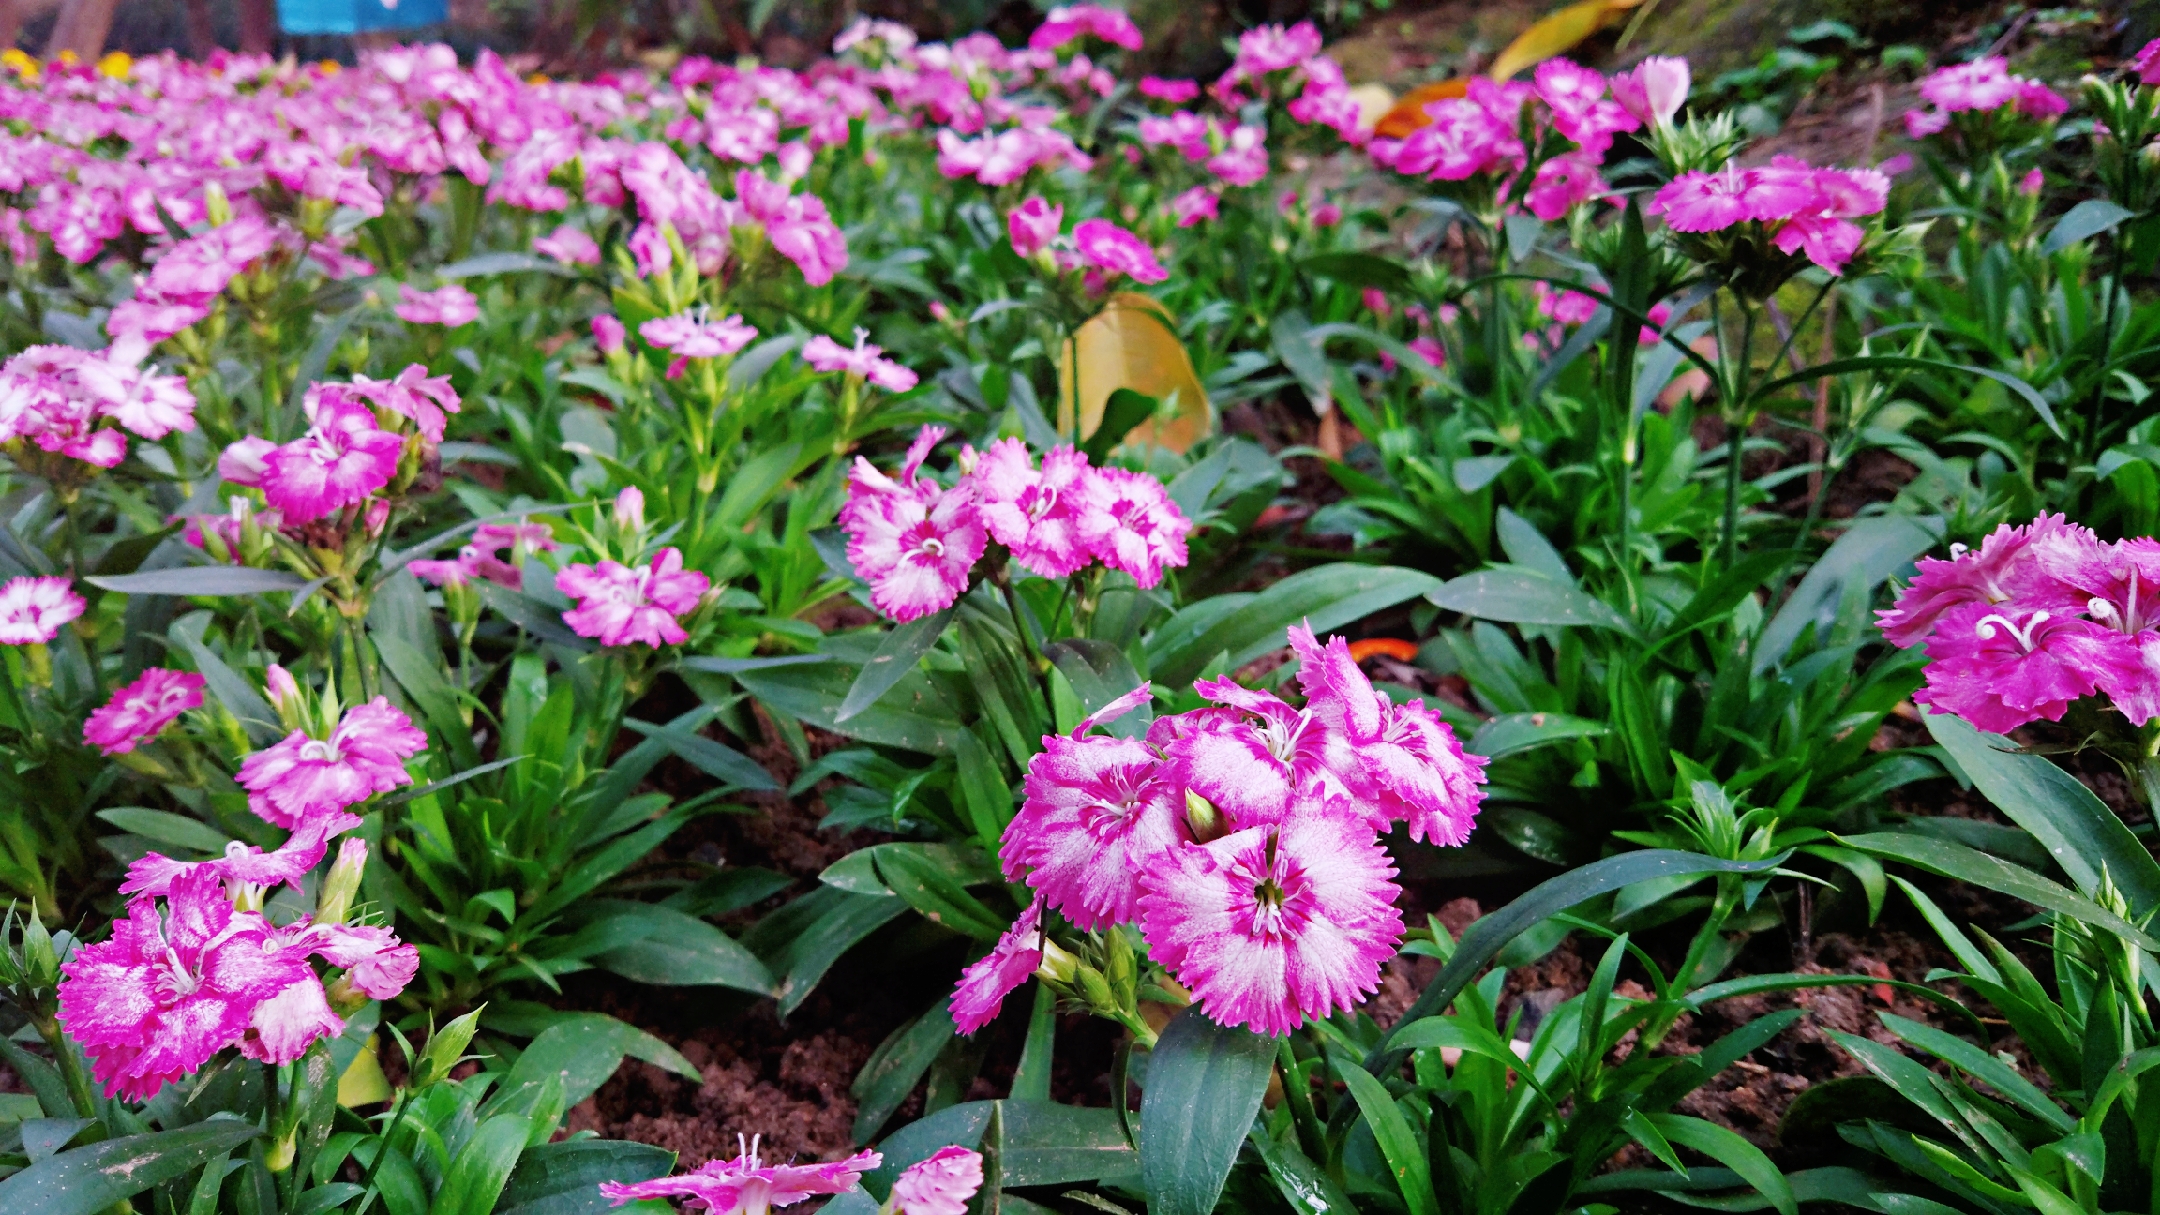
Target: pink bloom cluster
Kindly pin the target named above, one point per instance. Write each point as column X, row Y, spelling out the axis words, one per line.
column 1068, row 24
column 60, row 399
column 1982, row 86
column 863, row 359
column 627, row 604
column 747, row 1185
column 916, row 542
column 2146, row 63
column 1285, row 64
column 2035, row 618
column 353, row 447
column 1004, row 157
column 450, row 306
column 1480, row 136
column 300, row 779
column 1096, row 245
column 1798, row 207
column 182, row 980
column 1278, row 906
column 32, row 610
column 492, row 556
column 140, row 711
column 1237, row 157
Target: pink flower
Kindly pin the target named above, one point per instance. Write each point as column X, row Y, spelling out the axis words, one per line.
column 2006, row 567
column 140, row 711
column 148, row 404
column 1254, row 759
column 300, row 778
column 1033, row 225
column 1399, row 761
column 940, row 1185
column 413, row 394
column 245, row 865
column 915, row 553
column 1129, row 522
column 1654, row 91
column 244, row 461
column 691, row 335
column 168, row 991
column 2032, row 183
column 1243, row 159
column 1065, row 24
column 2146, row 63
column 1711, row 202
column 1919, row 124
column 1429, row 350
column 1564, row 306
column 1562, row 184
column 1999, row 667
column 33, row 609
column 1106, row 246
column 1983, row 84
column 1175, row 92
column 607, row 333
column 2036, row 100
column 983, row 986
column 569, row 246
column 374, row 961
column 342, row 459
column 451, row 305
column 1099, row 812
column 1035, row 514
column 473, row 564
column 621, row 604
column 862, row 360
column 1463, row 140
column 1271, row 48
column 747, row 1186
column 1272, row 926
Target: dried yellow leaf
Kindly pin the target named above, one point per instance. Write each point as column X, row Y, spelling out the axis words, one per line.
column 1557, row 34
column 1133, row 343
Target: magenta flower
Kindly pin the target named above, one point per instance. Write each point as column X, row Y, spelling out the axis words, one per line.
column 1106, row 246
column 1242, row 161
column 939, row 1185
column 342, row 459
column 1654, row 90
column 747, row 1186
column 1064, row 24
column 140, row 711
column 244, row 866
column 568, row 245
column 375, row 962
column 1463, row 140
column 1270, row 927
column 2007, row 566
column 300, row 778
column 32, row 610
column 1398, row 761
column 472, row 564
column 1255, row 759
column 451, row 305
column 1196, row 204
column 915, row 554
column 1271, row 48
column 1033, row 225
column 863, row 360
column 1982, row 84
column 1712, row 202
column 244, row 461
column 620, row 605
column 1562, row 184
column 1175, row 92
column 984, row 985
column 168, row 991
column 1099, row 812
column 120, row 388
column 2146, row 63
column 1034, row 513
column 692, row 335
column 413, row 394
column 1129, row 522
column 1999, row 668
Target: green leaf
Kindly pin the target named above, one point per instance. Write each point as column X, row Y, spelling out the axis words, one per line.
column 1204, row 1084
column 1405, row 1154
column 1884, row 362
column 1043, row 1144
column 896, row 1066
column 678, row 950
column 584, row 1049
column 1124, row 410
column 237, row 695
column 1981, row 1065
column 1517, row 595
column 717, row 760
column 481, row 1168
column 1308, row 1189
column 165, row 827
column 2077, row 829
column 201, row 580
column 917, row 719
column 1554, row 895
column 930, row 889
column 1729, row 1149
column 1514, row 732
column 92, row 1179
column 1099, row 673
column 1955, row 860
column 486, row 264
column 895, row 658
column 1325, row 597
column 1870, row 551
column 2083, row 222
column 1359, row 270
column 564, row 1178
column 802, row 940
column 860, row 871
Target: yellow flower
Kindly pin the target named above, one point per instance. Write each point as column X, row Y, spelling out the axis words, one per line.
column 116, row 64
column 20, row 64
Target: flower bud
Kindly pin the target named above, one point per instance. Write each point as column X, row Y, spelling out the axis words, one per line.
column 630, row 509
column 1096, row 990
column 1120, row 967
column 378, row 517
column 1058, row 963
column 285, row 696
column 608, row 334
column 445, row 1048
column 217, row 208
column 343, row 883
column 1206, row 821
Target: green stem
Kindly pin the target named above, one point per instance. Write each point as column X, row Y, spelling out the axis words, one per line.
column 2090, row 441
column 69, row 1064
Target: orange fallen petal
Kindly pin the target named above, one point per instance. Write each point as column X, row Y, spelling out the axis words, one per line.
column 1409, row 113
column 1388, row 647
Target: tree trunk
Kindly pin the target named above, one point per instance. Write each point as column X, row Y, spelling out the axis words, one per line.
column 258, row 26
column 11, row 19
column 201, row 31
column 82, row 27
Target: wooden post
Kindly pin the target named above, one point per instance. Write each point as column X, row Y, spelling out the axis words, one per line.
column 201, row 31
column 82, row 27
column 258, row 26
column 11, row 19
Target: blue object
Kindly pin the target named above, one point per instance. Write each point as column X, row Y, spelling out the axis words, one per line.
column 358, row 16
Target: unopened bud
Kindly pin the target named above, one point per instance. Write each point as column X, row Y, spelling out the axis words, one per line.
column 216, row 207
column 630, row 509
column 285, row 696
column 1096, row 990
column 343, row 883
column 1120, row 966
column 608, row 334
column 1206, row 821
column 1058, row 962
column 378, row 517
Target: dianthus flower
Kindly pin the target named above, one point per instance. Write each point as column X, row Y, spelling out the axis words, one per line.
column 1272, row 926
column 1099, row 812
column 984, row 985
column 1398, row 761
column 1129, row 522
column 472, row 564
column 1711, row 202
column 940, row 1184
column 343, row 459
column 1196, row 204
column 1255, row 758
column 245, row 869
column 622, row 604
column 1033, row 225
column 140, row 711
column 747, row 1185
column 692, row 335
column 1107, row 247
column 1035, row 513
column 2146, row 63
column 1463, row 140
column 1654, row 90
column 32, row 610
column 863, row 360
column 1272, row 48
column 1065, row 24
column 1999, row 667
column 568, row 245
column 2006, row 567
column 1174, row 92
column 412, row 394
column 912, row 540
column 1243, row 159
column 450, row 305
column 300, row 779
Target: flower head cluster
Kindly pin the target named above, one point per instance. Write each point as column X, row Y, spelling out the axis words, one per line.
column 916, row 542
column 354, row 448
column 1070, row 23
column 450, row 306
column 1004, row 157
column 1981, row 87
column 862, row 360
column 1571, row 120
column 311, row 776
column 493, row 556
column 1787, row 205
column 2034, row 619
column 1097, row 246
column 140, row 711
column 187, row 975
column 83, row 404
column 627, row 604
column 1242, row 839
column 747, row 1185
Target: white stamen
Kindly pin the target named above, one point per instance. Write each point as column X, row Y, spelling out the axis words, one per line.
column 2024, row 636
